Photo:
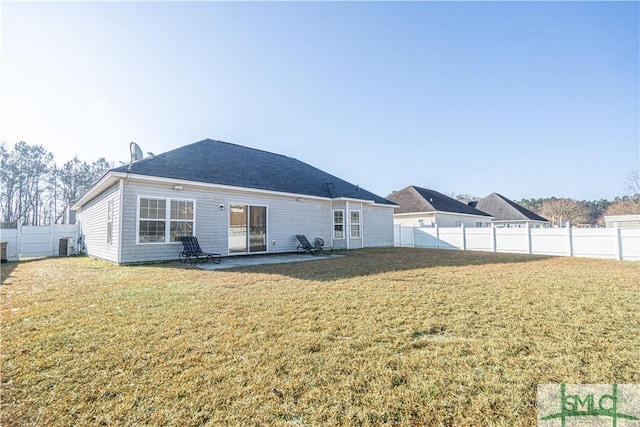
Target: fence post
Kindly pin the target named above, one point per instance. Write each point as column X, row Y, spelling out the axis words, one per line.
column 52, row 234
column 464, row 237
column 528, row 227
column 19, row 242
column 569, row 240
column 617, row 240
column 437, row 237
column 493, row 237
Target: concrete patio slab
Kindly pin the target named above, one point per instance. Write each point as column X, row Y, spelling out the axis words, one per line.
column 249, row 260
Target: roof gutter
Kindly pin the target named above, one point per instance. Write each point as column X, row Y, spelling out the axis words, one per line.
column 109, row 179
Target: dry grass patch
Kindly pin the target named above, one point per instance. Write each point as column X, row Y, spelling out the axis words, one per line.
column 388, row 336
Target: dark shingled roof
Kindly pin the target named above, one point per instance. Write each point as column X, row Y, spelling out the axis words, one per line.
column 503, row 209
column 218, row 162
column 416, row 199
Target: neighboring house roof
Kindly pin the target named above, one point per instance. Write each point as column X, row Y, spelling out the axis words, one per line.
column 223, row 163
column 503, row 209
column 416, row 199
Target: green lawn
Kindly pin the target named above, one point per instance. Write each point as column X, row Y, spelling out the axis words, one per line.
column 377, row 337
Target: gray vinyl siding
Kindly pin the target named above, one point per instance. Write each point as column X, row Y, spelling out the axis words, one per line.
column 93, row 225
column 286, row 217
column 378, row 226
column 135, row 252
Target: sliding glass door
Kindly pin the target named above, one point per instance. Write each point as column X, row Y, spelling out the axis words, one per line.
column 247, row 229
column 257, row 229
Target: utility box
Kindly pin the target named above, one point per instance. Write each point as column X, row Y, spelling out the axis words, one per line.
column 3, row 252
column 65, row 247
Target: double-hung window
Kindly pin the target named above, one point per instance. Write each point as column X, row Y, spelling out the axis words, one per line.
column 181, row 219
column 355, row 224
column 162, row 220
column 338, row 224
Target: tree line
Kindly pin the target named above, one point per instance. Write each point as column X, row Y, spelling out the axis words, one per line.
column 36, row 191
column 581, row 212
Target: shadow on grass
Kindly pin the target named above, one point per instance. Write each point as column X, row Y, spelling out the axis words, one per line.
column 368, row 262
column 349, row 263
column 7, row 268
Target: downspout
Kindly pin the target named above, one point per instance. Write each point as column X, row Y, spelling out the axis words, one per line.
column 120, row 218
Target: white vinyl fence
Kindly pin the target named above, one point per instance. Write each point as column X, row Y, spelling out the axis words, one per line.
column 612, row 243
column 36, row 241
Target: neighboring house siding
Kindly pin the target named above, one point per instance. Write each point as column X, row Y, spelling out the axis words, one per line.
column 520, row 224
column 93, row 225
column 622, row 221
column 415, row 220
column 377, row 226
column 441, row 219
column 453, row 220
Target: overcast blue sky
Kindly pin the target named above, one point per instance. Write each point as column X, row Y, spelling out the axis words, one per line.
column 528, row 99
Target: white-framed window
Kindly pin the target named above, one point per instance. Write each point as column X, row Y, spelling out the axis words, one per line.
column 180, row 219
column 338, row 224
column 354, row 224
column 164, row 220
column 110, row 222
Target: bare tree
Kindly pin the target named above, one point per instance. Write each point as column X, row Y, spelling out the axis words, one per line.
column 75, row 177
column 632, row 186
column 24, row 177
column 34, row 191
column 623, row 207
column 563, row 211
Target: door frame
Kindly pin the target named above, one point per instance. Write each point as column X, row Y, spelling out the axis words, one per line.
column 247, row 224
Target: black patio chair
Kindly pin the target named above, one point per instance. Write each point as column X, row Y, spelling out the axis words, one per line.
column 315, row 249
column 319, row 243
column 193, row 253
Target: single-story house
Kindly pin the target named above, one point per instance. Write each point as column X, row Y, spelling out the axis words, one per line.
column 507, row 213
column 236, row 200
column 622, row 221
column 420, row 207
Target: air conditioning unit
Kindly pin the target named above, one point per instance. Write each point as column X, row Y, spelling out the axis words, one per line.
column 66, row 247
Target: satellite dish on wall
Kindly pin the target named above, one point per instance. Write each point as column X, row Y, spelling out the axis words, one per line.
column 136, row 153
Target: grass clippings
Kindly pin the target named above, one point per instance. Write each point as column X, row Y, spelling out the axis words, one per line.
column 377, row 337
